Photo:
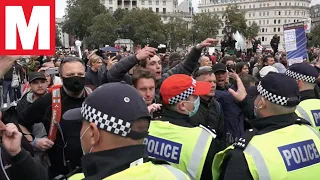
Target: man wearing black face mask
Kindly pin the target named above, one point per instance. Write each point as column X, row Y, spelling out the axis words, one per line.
column 65, row 155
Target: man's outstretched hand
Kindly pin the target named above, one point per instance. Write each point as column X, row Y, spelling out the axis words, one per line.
column 6, row 63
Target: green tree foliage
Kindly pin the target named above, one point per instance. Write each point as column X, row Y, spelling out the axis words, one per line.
column 253, row 30
column 314, row 34
column 237, row 21
column 204, row 25
column 103, row 30
column 144, row 24
column 236, row 18
column 177, row 30
column 119, row 14
column 79, row 15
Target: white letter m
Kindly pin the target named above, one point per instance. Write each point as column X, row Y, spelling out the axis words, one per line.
column 39, row 19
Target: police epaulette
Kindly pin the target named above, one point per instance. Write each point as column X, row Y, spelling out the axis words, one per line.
column 245, row 139
column 157, row 161
column 209, row 130
column 301, row 121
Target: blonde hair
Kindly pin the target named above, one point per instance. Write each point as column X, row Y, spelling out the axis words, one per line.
column 93, row 59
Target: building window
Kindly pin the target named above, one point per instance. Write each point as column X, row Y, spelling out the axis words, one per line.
column 259, row 13
column 274, row 29
column 275, row 21
column 157, row 2
column 259, row 22
column 279, row 13
column 265, row 39
column 266, row 29
column 164, row 3
column 142, row 3
column 110, row 1
column 264, row 21
column 150, row 2
column 164, row 10
column 254, row 6
column 157, row 10
column 262, row 29
column 268, row 13
column 249, row 14
column 268, row 21
column 278, row 29
column 262, row 38
column 279, row 21
column 279, row 3
column 249, row 23
column 110, row 9
column 264, row 13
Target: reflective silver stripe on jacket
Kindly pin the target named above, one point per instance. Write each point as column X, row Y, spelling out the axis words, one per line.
column 56, row 93
column 304, row 114
column 177, row 173
column 197, row 154
column 314, row 131
column 262, row 168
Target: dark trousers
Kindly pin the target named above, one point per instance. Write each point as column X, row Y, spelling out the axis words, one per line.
column 7, row 89
column 17, row 93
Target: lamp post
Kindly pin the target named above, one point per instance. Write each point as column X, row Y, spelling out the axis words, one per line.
column 148, row 41
column 228, row 27
column 78, row 45
column 168, row 43
column 183, row 44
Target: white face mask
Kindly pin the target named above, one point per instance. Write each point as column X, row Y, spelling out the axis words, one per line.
column 81, row 141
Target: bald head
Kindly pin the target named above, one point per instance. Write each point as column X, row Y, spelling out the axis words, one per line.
column 205, row 61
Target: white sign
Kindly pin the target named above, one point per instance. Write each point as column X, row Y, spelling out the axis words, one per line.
column 307, row 25
column 290, row 40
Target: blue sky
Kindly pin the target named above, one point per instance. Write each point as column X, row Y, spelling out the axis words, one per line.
column 61, row 4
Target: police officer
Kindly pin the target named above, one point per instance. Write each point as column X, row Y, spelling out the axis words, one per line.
column 173, row 138
column 280, row 146
column 309, row 107
column 115, row 120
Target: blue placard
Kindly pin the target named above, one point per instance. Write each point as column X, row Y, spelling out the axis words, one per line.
column 295, row 42
column 163, row 149
column 316, row 116
column 299, row 155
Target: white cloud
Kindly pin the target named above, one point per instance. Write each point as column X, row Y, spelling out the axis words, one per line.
column 313, row 2
column 60, row 6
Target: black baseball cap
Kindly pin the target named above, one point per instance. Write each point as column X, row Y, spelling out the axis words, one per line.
column 219, row 67
column 113, row 107
column 36, row 75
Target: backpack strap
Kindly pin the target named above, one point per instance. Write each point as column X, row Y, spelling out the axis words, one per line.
column 88, row 90
column 56, row 114
column 242, row 142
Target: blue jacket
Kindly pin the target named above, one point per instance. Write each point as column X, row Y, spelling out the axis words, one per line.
column 233, row 115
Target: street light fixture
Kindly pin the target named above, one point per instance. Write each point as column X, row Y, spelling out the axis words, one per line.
column 228, row 27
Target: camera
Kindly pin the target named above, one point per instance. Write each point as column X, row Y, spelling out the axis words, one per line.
column 231, row 68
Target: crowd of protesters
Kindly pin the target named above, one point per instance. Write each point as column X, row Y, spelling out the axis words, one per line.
column 42, row 89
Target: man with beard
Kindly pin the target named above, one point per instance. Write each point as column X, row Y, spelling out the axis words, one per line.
column 65, row 154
